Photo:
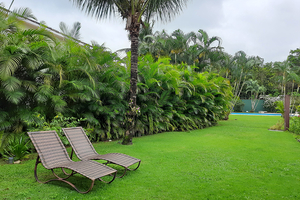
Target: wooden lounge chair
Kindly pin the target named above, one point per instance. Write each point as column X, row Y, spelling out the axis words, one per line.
column 85, row 151
column 52, row 154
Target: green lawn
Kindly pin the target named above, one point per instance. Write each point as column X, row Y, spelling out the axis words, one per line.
column 238, row 159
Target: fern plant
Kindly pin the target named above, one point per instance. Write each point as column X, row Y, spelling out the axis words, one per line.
column 17, row 147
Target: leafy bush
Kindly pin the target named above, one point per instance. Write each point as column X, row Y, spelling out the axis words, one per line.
column 295, row 125
column 279, row 125
column 92, row 85
column 58, row 122
column 280, row 107
column 295, row 102
column 17, row 147
column 270, row 102
column 238, row 107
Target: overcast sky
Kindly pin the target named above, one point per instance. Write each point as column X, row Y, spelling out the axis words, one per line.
column 265, row 28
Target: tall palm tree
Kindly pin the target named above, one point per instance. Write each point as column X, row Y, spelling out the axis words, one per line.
column 241, row 71
column 179, row 43
column 283, row 69
column 227, row 64
column 207, row 45
column 158, row 46
column 134, row 12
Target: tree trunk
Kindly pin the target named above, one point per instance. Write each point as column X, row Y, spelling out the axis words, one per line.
column 237, row 90
column 134, row 30
column 286, row 112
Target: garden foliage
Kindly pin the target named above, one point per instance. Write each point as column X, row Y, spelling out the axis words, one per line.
column 48, row 84
column 295, row 125
column 270, row 102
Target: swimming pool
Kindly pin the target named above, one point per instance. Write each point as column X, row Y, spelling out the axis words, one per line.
column 258, row 114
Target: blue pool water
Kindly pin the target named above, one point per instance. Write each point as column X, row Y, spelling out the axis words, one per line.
column 258, row 114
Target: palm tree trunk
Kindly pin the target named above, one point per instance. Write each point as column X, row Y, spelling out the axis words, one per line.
column 134, row 30
column 134, row 66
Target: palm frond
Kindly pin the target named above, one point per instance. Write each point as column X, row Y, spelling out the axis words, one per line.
column 9, row 66
column 11, row 83
column 14, row 96
column 24, row 12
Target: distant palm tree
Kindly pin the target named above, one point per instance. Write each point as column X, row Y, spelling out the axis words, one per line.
column 241, row 71
column 134, row 12
column 255, row 89
column 178, row 43
column 206, row 47
column 283, row 69
column 158, row 45
column 74, row 32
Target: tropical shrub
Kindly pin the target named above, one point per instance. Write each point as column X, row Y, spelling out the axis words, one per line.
column 46, row 84
column 294, row 102
column 17, row 146
column 239, row 105
column 58, row 122
column 279, row 125
column 279, row 107
column 105, row 110
column 175, row 97
column 23, row 53
column 270, row 102
column 295, row 125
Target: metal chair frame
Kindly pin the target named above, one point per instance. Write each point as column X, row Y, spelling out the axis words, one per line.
column 89, row 169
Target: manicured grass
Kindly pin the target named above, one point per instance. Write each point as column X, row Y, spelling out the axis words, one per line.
column 238, row 159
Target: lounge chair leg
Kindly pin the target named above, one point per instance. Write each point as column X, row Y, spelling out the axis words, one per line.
column 35, row 172
column 36, row 176
column 125, row 169
column 129, row 170
column 71, row 156
column 136, row 167
column 73, row 186
column 66, row 173
column 115, row 174
column 60, row 179
column 107, row 162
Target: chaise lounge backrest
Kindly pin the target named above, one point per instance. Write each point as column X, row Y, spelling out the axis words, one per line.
column 80, row 142
column 50, row 148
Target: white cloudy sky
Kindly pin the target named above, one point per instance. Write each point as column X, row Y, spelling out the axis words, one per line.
column 265, row 28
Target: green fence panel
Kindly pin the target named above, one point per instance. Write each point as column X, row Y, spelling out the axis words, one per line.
column 247, row 106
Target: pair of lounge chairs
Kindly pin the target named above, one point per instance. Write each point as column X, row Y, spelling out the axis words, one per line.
column 52, row 154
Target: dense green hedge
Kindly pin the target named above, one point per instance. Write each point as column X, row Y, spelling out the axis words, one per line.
column 43, row 80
